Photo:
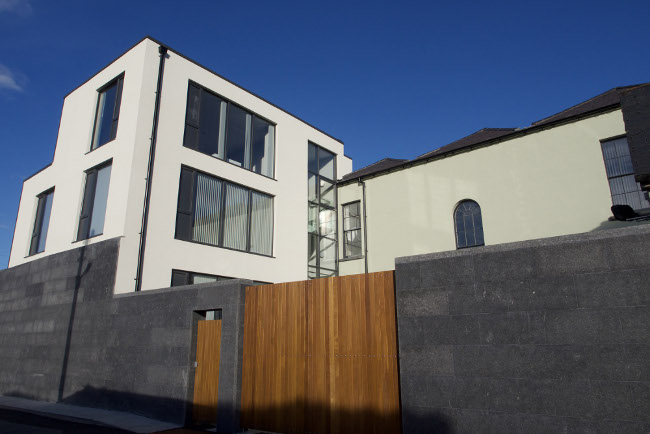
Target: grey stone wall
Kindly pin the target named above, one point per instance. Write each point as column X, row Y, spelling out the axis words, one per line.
column 65, row 337
column 541, row 336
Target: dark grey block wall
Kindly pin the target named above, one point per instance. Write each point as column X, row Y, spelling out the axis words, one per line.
column 541, row 336
column 65, row 337
column 635, row 104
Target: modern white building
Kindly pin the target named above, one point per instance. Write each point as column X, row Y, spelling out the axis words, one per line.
column 200, row 178
column 559, row 176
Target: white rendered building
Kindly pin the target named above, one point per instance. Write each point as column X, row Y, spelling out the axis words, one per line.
column 559, row 176
column 198, row 177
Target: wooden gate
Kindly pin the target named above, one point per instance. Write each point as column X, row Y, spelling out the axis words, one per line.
column 320, row 356
column 206, row 377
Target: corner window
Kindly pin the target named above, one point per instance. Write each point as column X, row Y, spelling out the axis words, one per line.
column 222, row 129
column 469, row 224
column 620, row 174
column 93, row 210
column 42, row 222
column 219, row 213
column 108, row 113
column 321, row 223
column 352, row 229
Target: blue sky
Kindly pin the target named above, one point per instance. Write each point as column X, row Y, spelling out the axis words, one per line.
column 393, row 79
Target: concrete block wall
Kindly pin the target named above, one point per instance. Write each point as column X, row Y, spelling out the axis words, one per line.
column 65, row 337
column 544, row 336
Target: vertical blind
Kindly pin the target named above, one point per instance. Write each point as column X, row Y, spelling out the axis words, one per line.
column 261, row 215
column 207, row 211
column 216, row 212
column 236, row 217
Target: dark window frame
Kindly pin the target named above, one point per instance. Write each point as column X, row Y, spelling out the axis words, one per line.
column 222, row 216
column 117, row 106
column 351, row 230
column 230, row 103
column 37, row 229
column 189, row 276
column 90, row 197
column 319, row 205
column 456, row 208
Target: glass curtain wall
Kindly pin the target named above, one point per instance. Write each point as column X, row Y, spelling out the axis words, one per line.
column 321, row 225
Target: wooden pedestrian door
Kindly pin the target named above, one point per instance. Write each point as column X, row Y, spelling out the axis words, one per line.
column 206, row 377
column 320, row 356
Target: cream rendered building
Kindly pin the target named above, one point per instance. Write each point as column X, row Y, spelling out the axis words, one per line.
column 213, row 175
column 545, row 180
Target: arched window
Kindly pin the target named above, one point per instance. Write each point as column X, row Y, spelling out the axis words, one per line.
column 469, row 224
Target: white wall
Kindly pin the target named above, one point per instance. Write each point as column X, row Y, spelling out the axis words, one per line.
column 548, row 183
column 130, row 151
column 72, row 158
column 289, row 188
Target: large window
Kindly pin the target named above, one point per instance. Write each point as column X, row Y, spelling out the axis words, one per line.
column 108, row 113
column 224, row 130
column 321, row 225
column 620, row 173
column 352, row 230
column 180, row 278
column 93, row 209
column 469, row 224
column 41, row 223
column 216, row 212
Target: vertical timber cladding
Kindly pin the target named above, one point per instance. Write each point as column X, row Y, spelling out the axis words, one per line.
column 320, row 356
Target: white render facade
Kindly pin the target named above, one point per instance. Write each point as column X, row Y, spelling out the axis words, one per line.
column 128, row 154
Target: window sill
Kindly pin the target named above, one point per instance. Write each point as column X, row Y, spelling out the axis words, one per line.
column 230, row 163
column 351, row 258
column 226, row 248
column 34, row 254
column 100, row 146
column 89, row 238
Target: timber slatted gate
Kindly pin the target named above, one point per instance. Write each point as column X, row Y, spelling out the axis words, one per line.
column 320, row 356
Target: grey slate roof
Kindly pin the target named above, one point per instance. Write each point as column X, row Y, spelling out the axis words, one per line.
column 379, row 166
column 611, row 98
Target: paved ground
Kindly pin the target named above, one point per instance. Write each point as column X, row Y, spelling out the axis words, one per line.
column 14, row 422
column 24, row 416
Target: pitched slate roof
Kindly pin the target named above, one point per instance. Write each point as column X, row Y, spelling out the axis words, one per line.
column 380, row 165
column 605, row 100
column 475, row 138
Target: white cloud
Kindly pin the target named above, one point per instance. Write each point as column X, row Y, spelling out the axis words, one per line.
column 8, row 79
column 20, row 7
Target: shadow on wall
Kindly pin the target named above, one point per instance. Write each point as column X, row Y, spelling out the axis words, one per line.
column 302, row 417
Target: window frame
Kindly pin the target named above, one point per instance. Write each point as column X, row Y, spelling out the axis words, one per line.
column 611, row 193
column 456, row 225
column 230, row 103
column 222, row 216
column 38, row 222
column 359, row 256
column 219, row 277
column 119, row 81
column 94, row 169
column 319, row 205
